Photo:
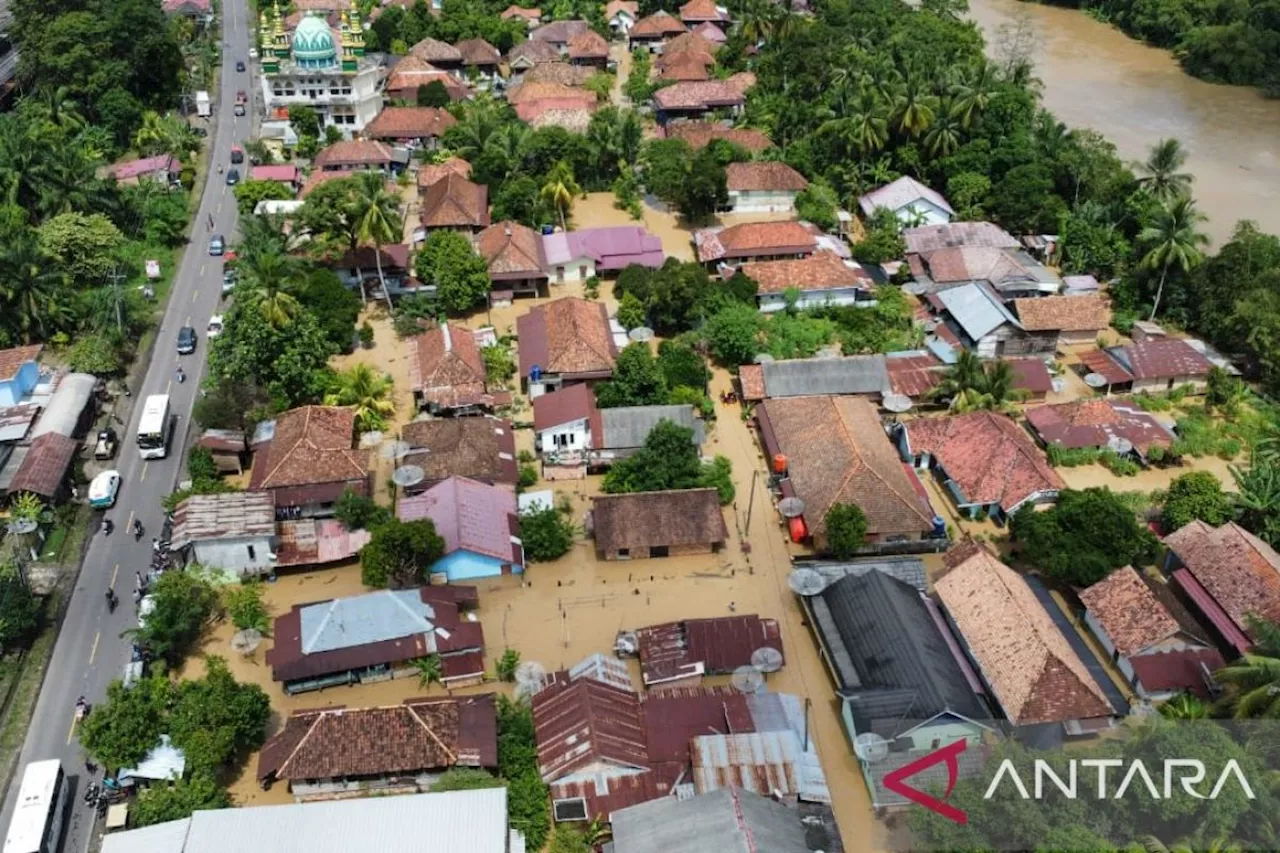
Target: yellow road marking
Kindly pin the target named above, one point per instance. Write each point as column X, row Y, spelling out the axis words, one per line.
column 71, row 731
column 194, row 294
column 129, row 523
column 202, row 268
column 143, row 476
column 114, row 574
column 93, row 653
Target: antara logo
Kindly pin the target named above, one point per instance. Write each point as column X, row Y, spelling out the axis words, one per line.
column 949, row 754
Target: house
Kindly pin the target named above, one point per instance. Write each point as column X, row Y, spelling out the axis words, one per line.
column 558, row 34
column 621, row 15
column 359, row 270
column 352, row 155
column 763, row 186
column 479, row 448
column 455, row 204
column 163, row 169
column 455, row 821
column 650, row 32
column 699, row 133
column 755, row 241
column 1024, row 659
column 310, row 459
column 376, row 636
column 579, row 255
column 899, row 674
column 1151, row 638
column 531, row 17
column 281, row 173
column 527, row 55
column 19, row 373
column 1076, row 319
column 479, row 58
column 924, row 239
column 480, row 526
column 419, row 127
column 412, row 73
column 306, row 542
column 658, row 524
column 1011, row 273
column 1100, row 424
column 575, row 119
column 561, row 73
column 805, row 377
column 679, row 654
column 589, row 49
column 730, row 819
column 235, row 532
column 698, row 99
column 1156, row 365
column 187, row 8
column 514, row 255
column 985, row 461
column 438, row 54
column 697, row 12
column 911, row 201
column 565, row 342
column 684, row 67
column 983, row 323
column 819, row 280
column 431, row 173
column 836, row 451
column 41, row 467
column 1227, row 575
column 571, row 432
column 446, row 372
column 327, row 753
column 228, row 448
column 535, row 96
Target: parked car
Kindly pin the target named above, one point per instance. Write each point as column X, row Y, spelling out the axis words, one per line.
column 108, row 441
column 186, row 340
column 215, row 326
column 233, row 177
column 240, row 65
column 228, row 281
column 217, row 245
column 104, row 489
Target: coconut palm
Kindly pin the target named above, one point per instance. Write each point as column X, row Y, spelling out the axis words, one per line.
column 507, row 146
column 376, row 213
column 971, row 386
column 914, row 108
column 1151, row 844
column 1253, row 681
column 61, row 110
column 943, row 137
column 1173, row 241
column 972, row 93
column 367, row 391
column 32, row 293
column 1258, row 497
column 429, row 669
column 869, row 123
column 267, row 279
column 1184, row 706
column 1160, row 171
column 560, row 190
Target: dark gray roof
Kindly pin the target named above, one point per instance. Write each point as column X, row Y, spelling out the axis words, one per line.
column 909, row 570
column 892, row 659
column 729, row 820
column 855, row 374
column 931, row 780
column 629, row 426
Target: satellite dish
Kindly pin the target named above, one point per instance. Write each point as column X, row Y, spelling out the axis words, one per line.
column 394, row 449
column 640, row 334
column 806, row 582
column 870, row 747
column 763, row 358
column 626, row 644
column 931, row 326
column 747, row 679
column 371, row 439
column 530, row 672
column 791, row 507
column 408, row 475
column 1095, row 380
column 1119, row 444
column 246, row 641
column 897, row 403
column 767, row 659
column 23, row 526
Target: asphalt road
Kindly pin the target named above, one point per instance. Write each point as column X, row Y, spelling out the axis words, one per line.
column 90, row 651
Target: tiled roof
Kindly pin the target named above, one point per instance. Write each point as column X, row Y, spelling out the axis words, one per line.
column 566, row 336
column 572, row 119
column 541, row 91
column 658, row 25
column 409, row 123
column 397, row 740
column 1024, row 657
column 480, row 448
column 711, row 33
column 1064, row 313
column 929, row 238
column 1162, row 358
column 511, row 250
column 282, row 172
column 688, row 44
column 899, row 194
column 699, row 96
column 752, row 239
column 358, row 152
column 1129, row 611
column 312, row 445
column 514, row 11
column 1238, row 569
column 820, row 271
column 446, row 367
column 557, row 72
column 587, row 722
column 699, row 133
column 1092, row 423
column 652, row 519
column 454, row 202
column 630, row 7
column 684, row 67
column 588, row 45
column 974, row 263
column 478, row 52
column 429, row 174
column 702, row 10
column 130, row 169
column 410, row 73
column 469, row 516
column 837, row 452
column 533, row 53
column 989, row 457
column 12, row 359
column 433, row 50
column 763, row 176
column 559, row 32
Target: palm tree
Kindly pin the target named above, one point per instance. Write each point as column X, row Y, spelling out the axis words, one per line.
column 970, row 385
column 1184, row 706
column 943, row 137
column 561, row 189
column 60, row 108
column 1258, row 498
column 33, row 294
column 509, row 144
column 430, row 670
column 869, row 123
column 915, row 108
column 376, row 213
column 756, row 18
column 369, row 392
column 1174, row 241
column 1160, row 173
column 973, row 92
column 267, row 278
column 1151, row 844
column 1253, row 682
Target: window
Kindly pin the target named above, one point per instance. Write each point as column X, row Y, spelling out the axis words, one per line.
column 623, row 553
column 582, row 271
column 570, row 809
column 560, row 275
column 660, row 551
column 253, row 555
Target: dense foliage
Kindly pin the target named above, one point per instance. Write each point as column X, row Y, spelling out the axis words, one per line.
column 1082, row 538
column 400, row 553
column 547, row 533
column 669, row 460
column 160, row 803
column 1196, row 495
column 527, row 800
column 846, row 529
column 184, row 603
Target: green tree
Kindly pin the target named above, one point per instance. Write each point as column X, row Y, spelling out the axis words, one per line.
column 216, row 719
column 305, row 121
column 704, row 189
column 184, row 603
column 334, row 307
column 434, row 94
column 546, row 533
column 288, row 362
column 668, row 460
column 1160, row 171
column 120, row 731
column 1083, row 538
column 367, row 392
column 518, row 765
column 1253, row 681
column 559, row 189
column 630, row 311
column 1184, row 706
column 376, row 215
column 972, row 385
column 734, row 334
column 400, row 554
column 244, row 604
column 19, row 609
column 358, row 512
column 430, row 670
column 882, row 241
column 682, row 365
column 460, row 275
column 1196, row 495
column 1173, row 241
column 818, row 203
column 666, row 166
column 86, row 247
column 249, row 193
column 637, row 380
column 506, row 665
column 846, row 527
column 163, row 803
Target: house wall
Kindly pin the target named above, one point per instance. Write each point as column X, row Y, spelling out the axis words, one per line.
column 646, row 553
column 577, row 269
column 1158, row 386
column 373, row 285
column 922, row 212
column 762, row 201
column 305, row 790
column 621, row 23
column 1088, row 336
column 575, row 435
column 13, row 390
column 346, row 101
column 233, row 554
column 465, row 565
column 770, row 302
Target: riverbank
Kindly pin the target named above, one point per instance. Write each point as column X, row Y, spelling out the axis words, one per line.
column 1095, row 76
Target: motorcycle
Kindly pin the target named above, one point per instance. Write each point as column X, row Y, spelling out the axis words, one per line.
column 91, row 792
column 107, row 526
column 137, row 531
column 112, row 601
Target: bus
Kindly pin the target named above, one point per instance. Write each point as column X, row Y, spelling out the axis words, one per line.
column 154, row 427
column 38, row 816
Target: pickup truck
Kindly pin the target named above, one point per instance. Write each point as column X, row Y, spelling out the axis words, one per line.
column 107, row 444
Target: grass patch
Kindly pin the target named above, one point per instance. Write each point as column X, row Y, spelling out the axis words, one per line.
column 25, row 685
column 1121, row 466
column 1200, row 434
column 1140, row 502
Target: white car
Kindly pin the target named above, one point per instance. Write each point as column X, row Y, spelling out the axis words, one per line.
column 215, row 326
column 104, row 489
column 145, row 608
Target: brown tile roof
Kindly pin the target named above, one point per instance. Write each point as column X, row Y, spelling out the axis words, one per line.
column 446, row 367
column 45, row 466
column 558, row 72
column 411, row 72
column 658, row 25
column 699, row 96
column 533, row 52
column 1126, row 608
column 1064, row 313
column 514, row 11
column 696, row 11
column 478, row 52
column 1024, row 657
column 837, row 452
column 311, row 445
column 631, row 7
column 651, row 519
column 751, row 378
column 453, row 202
column 688, row 46
column 12, row 359
column 539, row 114
column 547, row 90
column 1162, row 358
column 511, row 250
column 820, row 271
column 753, row 239
column 478, row 448
column 989, row 457
column 711, row 33
column 1092, row 423
column 1238, row 569
column 567, row 336
column 429, row 174
column 434, row 50
column 418, row 736
column 763, row 175
column 355, row 152
column 699, row 133
column 684, row 67
column 409, row 123
column 588, row 45
column 586, row 722
column 559, row 32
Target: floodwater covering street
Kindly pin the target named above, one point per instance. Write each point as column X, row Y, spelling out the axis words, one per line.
column 1095, row 76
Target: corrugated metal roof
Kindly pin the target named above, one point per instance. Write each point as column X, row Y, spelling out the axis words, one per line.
column 761, row 762
column 728, row 820
column 855, row 374
column 629, row 426
column 238, row 515
column 362, row 619
column 975, row 309
column 66, row 405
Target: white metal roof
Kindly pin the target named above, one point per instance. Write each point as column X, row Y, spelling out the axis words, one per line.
column 66, row 405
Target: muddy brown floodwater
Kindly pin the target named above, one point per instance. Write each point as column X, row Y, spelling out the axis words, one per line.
column 1095, row 76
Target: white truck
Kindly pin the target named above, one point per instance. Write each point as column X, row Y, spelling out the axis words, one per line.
column 202, row 104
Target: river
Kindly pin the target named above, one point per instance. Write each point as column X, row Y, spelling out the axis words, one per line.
column 1095, row 76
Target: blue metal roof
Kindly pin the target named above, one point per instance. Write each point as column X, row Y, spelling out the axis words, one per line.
column 976, row 310
column 363, row 619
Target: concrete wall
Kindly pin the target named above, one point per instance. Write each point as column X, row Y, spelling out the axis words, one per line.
column 233, row 554
column 331, row 789
column 762, row 201
column 575, row 433
column 1159, row 386
column 770, row 302
column 644, row 553
column 577, row 269
column 467, row 565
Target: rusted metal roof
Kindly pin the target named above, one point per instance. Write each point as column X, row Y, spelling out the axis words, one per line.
column 316, row 541
column 695, row 647
column 238, row 515
column 1098, row 361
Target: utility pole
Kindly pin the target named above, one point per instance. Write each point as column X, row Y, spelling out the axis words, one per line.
column 751, row 501
column 115, row 277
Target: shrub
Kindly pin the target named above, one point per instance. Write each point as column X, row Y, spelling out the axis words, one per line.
column 528, row 477
column 546, row 534
column 366, row 335
column 846, row 529
column 358, row 512
column 506, row 665
column 246, row 608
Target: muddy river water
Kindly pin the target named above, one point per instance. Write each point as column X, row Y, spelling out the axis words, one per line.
column 1095, row 76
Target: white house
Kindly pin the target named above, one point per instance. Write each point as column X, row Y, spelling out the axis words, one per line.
column 762, row 186
column 911, row 201
column 621, row 15
column 234, row 532
column 816, row 281
column 571, row 432
column 563, row 421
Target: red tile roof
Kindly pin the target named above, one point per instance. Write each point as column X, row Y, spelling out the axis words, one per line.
column 588, row 45
column 434, row 50
column 1126, row 608
column 514, row 11
column 699, row 133
column 557, row 72
column 695, row 647
column 1092, row 423
column 559, row 32
column 763, row 176
column 696, row 11
column 569, row 336
column 478, row 52
column 281, row 172
column 820, row 271
column 410, row 73
column 1204, row 602
column 409, row 123
column 751, row 378
column 660, row 24
column 989, row 457
column 1238, row 569
column 429, row 174
column 12, row 359
column 1086, row 313
column 549, row 90
column 630, row 7
column 684, row 68
column 512, row 251
column 446, row 368
column 482, row 448
column 704, row 95
column 455, row 202
column 688, row 45
column 312, row 445
column 534, row 53
column 754, row 239
column 354, row 152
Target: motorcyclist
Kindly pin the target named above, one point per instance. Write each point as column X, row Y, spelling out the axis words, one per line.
column 107, row 526
column 182, row 376
column 137, row 529
column 111, row 600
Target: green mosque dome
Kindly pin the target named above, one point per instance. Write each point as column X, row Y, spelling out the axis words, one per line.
column 313, row 45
